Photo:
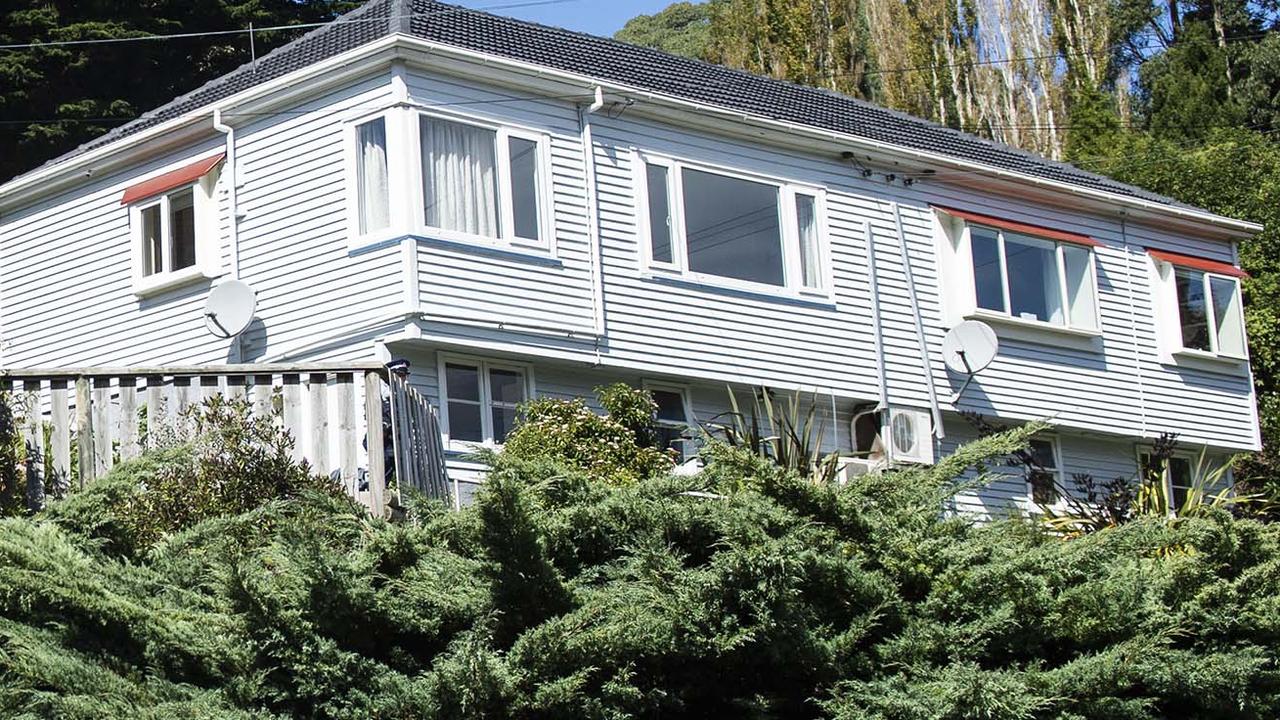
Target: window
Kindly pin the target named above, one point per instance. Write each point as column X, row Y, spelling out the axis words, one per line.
column 481, row 181
column 1175, row 472
column 481, row 400
column 373, row 199
column 173, row 220
column 713, row 224
column 672, row 417
column 1043, row 474
column 1209, row 313
column 1030, row 278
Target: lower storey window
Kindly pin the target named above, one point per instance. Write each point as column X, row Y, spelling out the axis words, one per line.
column 1042, row 472
column 672, row 417
column 481, row 400
column 1175, row 473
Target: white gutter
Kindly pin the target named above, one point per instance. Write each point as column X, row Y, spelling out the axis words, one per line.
column 593, row 220
column 877, row 335
column 926, row 361
column 233, row 189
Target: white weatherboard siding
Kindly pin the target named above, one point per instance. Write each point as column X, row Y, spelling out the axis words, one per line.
column 67, row 296
column 464, row 282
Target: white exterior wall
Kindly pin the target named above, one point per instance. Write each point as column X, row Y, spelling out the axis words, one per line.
column 66, row 298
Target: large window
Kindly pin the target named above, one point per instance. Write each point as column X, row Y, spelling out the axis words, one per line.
column 713, row 224
column 481, row 181
column 1034, row 279
column 1209, row 312
column 481, row 399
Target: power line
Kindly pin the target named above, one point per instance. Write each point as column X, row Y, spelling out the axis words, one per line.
column 253, row 31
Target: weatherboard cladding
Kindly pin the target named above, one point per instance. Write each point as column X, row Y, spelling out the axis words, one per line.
column 618, row 62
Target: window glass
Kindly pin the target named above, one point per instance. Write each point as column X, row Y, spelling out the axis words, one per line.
column 1034, row 291
column 372, row 197
column 1043, row 473
column 524, row 187
column 1192, row 309
column 670, row 406
column 807, row 223
column 462, row 388
column 182, row 228
column 460, row 177
column 988, row 282
column 1077, row 262
column 659, row 213
column 732, row 228
column 1180, row 480
column 506, row 392
column 1227, row 317
column 152, row 241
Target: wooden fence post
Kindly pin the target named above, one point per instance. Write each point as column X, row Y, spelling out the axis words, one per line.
column 374, row 440
column 33, row 437
column 59, row 439
column 129, row 418
column 84, row 430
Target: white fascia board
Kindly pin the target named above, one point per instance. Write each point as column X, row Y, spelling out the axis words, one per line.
column 42, row 182
column 1239, row 228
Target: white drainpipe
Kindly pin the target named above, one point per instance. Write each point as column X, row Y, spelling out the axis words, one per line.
column 233, row 193
column 593, row 222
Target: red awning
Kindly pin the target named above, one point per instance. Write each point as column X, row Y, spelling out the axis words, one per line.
column 1197, row 263
column 1020, row 227
column 170, row 180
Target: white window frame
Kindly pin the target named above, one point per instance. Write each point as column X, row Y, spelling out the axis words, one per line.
column 1166, row 477
column 205, row 212
column 483, row 365
column 962, row 258
column 1059, row 485
column 1165, row 281
column 506, row 213
column 788, row 228
column 397, row 194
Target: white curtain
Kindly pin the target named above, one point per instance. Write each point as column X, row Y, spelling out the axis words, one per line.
column 371, row 161
column 459, row 177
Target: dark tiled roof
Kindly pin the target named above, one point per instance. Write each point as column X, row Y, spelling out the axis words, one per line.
column 625, row 64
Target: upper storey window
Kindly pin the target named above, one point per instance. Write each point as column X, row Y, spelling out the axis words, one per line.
column 1023, row 273
column 174, row 224
column 450, row 178
column 481, row 181
column 723, row 226
column 1201, row 303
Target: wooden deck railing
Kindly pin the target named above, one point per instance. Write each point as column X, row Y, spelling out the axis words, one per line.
column 333, row 411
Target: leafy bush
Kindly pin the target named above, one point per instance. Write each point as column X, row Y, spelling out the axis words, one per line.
column 220, row 459
column 616, row 447
column 745, row 591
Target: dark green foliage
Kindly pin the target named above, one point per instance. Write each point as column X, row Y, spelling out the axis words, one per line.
column 746, row 591
column 54, row 98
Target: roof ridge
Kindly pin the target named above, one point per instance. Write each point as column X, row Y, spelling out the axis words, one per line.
column 401, row 17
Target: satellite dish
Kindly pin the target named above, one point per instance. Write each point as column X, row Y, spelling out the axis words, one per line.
column 968, row 349
column 229, row 309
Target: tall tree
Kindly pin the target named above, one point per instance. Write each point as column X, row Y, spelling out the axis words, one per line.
column 56, row 97
column 683, row 28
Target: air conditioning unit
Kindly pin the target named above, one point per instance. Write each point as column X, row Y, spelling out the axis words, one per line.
column 908, row 436
column 851, row 467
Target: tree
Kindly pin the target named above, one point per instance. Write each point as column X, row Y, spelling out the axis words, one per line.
column 54, row 98
column 683, row 28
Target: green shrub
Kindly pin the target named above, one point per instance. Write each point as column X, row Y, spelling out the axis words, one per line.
column 221, row 459
column 616, row 447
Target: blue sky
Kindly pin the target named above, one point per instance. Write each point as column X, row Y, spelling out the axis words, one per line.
column 598, row 17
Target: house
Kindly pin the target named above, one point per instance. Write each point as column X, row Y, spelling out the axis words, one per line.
column 519, row 210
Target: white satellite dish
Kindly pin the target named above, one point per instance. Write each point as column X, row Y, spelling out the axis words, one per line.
column 229, row 309
column 968, row 349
